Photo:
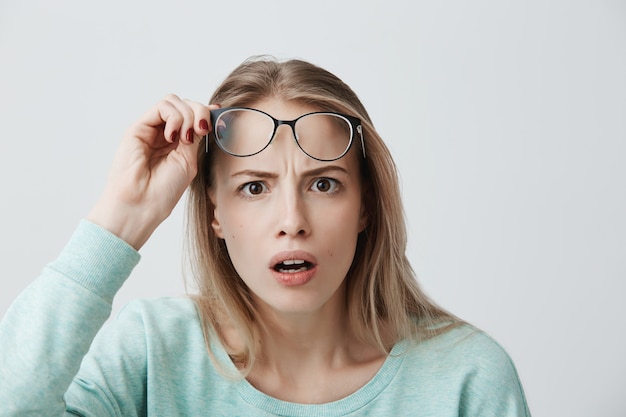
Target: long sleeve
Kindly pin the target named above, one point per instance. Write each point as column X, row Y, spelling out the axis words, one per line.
column 48, row 329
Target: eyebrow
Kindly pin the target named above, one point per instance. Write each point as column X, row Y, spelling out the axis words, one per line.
column 309, row 173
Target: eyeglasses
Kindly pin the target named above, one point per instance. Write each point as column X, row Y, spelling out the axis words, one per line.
column 325, row 136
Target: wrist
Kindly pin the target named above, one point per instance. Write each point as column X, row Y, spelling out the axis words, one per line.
column 132, row 225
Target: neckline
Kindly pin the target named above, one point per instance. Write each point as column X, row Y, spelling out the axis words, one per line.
column 343, row 406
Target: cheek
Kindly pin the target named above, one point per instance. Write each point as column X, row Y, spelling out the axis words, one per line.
column 340, row 226
column 242, row 225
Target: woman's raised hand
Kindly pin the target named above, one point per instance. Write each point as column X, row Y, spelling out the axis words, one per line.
column 155, row 163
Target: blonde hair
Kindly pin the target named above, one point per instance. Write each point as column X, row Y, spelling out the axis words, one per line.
column 384, row 300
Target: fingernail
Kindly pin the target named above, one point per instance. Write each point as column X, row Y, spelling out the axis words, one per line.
column 204, row 125
column 174, row 135
column 190, row 135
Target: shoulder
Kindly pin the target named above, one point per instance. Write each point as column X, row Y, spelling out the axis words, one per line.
column 173, row 315
column 163, row 306
column 465, row 349
column 146, row 330
column 157, row 343
column 466, row 344
column 469, row 367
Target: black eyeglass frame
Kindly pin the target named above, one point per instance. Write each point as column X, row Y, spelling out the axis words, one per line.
column 355, row 125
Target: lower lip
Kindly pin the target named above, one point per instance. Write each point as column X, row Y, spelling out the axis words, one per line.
column 294, row 279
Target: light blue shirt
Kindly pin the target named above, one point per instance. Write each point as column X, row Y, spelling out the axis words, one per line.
column 151, row 360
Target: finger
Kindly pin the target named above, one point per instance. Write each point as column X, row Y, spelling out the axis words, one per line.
column 202, row 118
column 166, row 116
column 196, row 124
column 212, row 107
column 187, row 128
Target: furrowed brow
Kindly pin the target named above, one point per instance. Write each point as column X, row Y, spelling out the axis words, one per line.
column 254, row 173
column 326, row 169
column 309, row 173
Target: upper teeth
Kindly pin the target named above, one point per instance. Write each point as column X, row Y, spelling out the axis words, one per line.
column 293, row 262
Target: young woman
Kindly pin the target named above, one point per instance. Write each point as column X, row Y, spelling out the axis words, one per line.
column 307, row 303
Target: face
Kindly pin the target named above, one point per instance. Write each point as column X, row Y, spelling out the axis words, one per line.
column 290, row 222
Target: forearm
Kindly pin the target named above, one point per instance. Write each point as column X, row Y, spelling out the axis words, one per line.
column 49, row 328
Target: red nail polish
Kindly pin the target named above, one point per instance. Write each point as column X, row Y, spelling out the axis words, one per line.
column 174, row 136
column 204, row 125
column 190, row 135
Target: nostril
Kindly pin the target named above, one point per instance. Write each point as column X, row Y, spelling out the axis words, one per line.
column 300, row 232
column 293, row 221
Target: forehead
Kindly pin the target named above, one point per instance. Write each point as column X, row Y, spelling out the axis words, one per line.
column 283, row 110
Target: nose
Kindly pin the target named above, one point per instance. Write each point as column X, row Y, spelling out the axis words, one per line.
column 293, row 215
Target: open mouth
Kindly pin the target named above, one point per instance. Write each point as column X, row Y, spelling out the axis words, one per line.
column 292, row 266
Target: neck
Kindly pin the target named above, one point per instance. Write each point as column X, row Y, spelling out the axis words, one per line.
column 312, row 357
column 315, row 338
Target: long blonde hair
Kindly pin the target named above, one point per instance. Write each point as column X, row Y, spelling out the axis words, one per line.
column 383, row 296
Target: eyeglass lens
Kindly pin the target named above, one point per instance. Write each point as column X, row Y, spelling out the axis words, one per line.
column 245, row 132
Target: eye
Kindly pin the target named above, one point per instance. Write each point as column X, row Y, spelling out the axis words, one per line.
column 325, row 185
column 253, row 188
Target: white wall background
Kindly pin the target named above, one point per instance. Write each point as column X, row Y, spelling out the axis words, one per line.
column 507, row 120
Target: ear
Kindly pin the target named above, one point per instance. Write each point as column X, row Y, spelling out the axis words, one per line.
column 215, row 223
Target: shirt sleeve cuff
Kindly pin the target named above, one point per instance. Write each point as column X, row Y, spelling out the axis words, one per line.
column 97, row 260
